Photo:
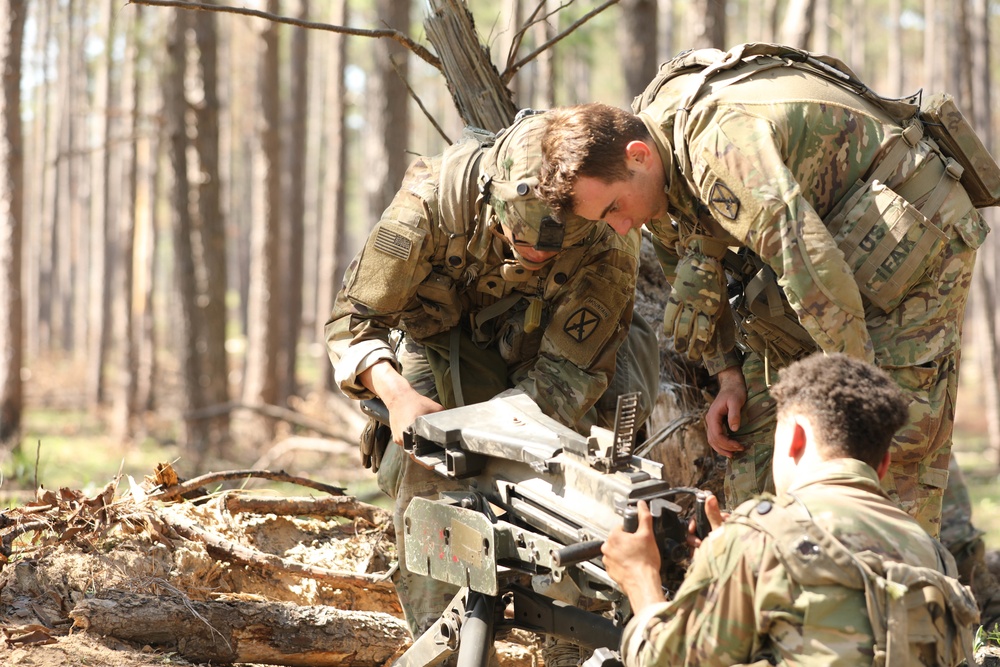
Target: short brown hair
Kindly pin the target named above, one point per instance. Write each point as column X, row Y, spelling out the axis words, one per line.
column 854, row 405
column 584, row 140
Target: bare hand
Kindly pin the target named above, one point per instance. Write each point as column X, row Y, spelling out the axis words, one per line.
column 632, row 560
column 716, row 517
column 723, row 416
column 404, row 409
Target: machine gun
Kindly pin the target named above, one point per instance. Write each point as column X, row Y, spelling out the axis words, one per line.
column 527, row 531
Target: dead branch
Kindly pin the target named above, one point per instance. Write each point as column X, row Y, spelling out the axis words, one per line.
column 378, row 590
column 396, row 35
column 348, row 507
column 334, row 447
column 242, row 631
column 512, row 70
column 272, row 411
column 177, row 490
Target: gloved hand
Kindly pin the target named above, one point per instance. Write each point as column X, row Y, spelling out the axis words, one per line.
column 695, row 303
column 374, row 439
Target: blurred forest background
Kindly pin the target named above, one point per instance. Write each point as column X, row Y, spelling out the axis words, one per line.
column 181, row 190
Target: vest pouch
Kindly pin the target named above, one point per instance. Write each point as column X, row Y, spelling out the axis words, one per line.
column 439, row 298
column 888, row 244
column 956, row 139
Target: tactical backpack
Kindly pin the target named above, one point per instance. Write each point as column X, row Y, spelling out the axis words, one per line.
column 940, row 115
column 872, row 225
column 918, row 615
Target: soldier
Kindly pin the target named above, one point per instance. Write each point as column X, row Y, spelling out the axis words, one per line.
column 491, row 294
column 851, row 227
column 802, row 578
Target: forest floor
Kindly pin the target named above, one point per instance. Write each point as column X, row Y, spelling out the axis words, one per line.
column 99, row 535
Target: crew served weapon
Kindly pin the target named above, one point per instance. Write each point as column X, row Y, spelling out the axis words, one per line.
column 527, row 531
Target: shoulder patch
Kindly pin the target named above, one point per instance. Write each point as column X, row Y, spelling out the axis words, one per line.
column 581, row 324
column 724, row 201
column 392, row 243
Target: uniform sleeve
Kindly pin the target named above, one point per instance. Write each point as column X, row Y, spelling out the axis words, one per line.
column 715, row 618
column 381, row 282
column 739, row 173
column 591, row 315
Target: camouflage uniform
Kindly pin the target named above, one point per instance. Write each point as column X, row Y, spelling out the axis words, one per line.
column 780, row 162
column 561, row 334
column 742, row 603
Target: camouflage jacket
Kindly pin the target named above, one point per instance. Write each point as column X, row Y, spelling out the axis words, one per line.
column 738, row 603
column 557, row 328
column 768, row 158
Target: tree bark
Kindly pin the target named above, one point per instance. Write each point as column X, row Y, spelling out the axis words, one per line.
column 102, row 232
column 175, row 109
column 334, row 250
column 388, row 118
column 272, row 633
column 12, row 19
column 265, row 313
column 293, row 246
column 797, row 27
column 479, row 94
column 709, row 24
column 211, row 227
column 637, row 39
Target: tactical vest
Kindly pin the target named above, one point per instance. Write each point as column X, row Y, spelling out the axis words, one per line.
column 872, row 224
column 918, row 615
column 512, row 323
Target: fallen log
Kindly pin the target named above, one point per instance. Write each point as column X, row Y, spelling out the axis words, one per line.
column 348, row 507
column 239, row 631
column 361, row 591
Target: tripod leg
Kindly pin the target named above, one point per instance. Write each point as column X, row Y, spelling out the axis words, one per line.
column 476, row 640
column 441, row 640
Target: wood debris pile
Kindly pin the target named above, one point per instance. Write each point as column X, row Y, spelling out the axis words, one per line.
column 227, row 576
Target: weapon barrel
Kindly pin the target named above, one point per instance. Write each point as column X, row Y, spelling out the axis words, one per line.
column 577, row 553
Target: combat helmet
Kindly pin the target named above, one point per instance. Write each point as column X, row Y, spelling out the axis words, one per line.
column 510, row 173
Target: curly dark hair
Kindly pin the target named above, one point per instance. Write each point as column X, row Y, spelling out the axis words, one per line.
column 854, row 405
column 584, row 140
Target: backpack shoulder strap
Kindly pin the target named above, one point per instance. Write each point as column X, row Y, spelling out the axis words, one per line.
column 459, row 197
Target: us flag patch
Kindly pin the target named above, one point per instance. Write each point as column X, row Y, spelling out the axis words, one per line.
column 391, row 243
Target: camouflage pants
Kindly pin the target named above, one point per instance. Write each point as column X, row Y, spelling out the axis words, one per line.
column 423, row 598
column 918, row 472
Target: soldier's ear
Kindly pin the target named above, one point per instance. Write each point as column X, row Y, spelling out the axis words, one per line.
column 882, row 468
column 638, row 151
column 797, row 441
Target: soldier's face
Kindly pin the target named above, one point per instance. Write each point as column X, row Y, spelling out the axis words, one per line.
column 627, row 204
column 525, row 253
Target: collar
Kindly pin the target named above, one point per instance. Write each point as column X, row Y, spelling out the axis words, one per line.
column 846, row 471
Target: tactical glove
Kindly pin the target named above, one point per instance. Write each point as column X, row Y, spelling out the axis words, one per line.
column 695, row 303
column 374, row 439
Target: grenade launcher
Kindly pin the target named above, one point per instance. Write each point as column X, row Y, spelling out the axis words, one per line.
column 526, row 532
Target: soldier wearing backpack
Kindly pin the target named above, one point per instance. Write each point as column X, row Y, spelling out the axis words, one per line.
column 828, row 572
column 490, row 293
column 792, row 204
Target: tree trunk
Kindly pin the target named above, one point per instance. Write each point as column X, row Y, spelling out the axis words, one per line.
column 12, row 19
column 211, row 225
column 265, row 311
column 798, row 24
column 102, row 233
column 334, row 251
column 296, row 160
column 709, row 24
column 387, row 120
column 637, row 34
column 235, row 631
column 475, row 86
column 175, row 109
column 126, row 410
column 895, row 47
column 665, row 19
column 987, row 314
